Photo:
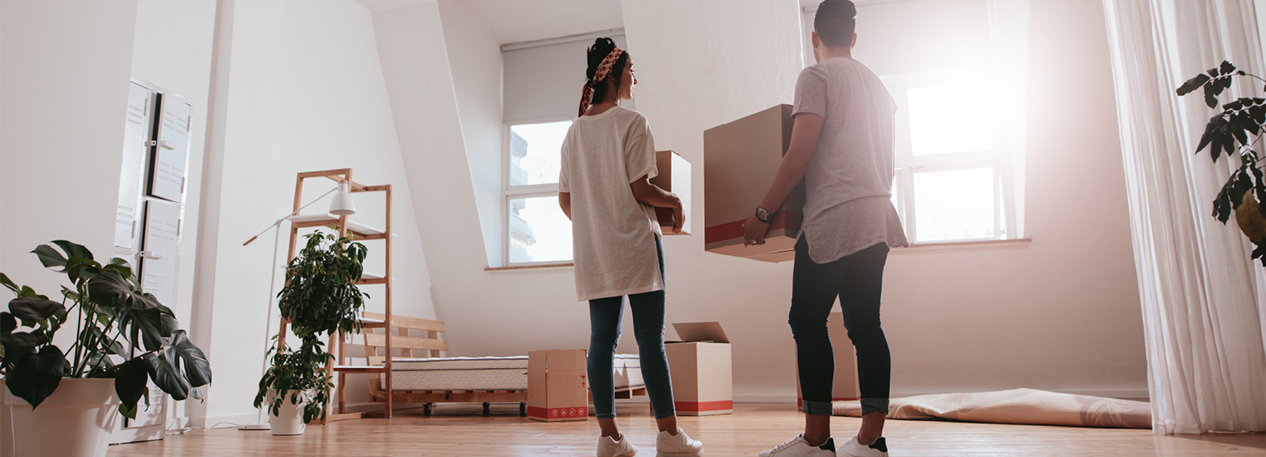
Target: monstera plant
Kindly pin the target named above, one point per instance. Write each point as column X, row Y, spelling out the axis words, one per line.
column 121, row 332
column 1234, row 131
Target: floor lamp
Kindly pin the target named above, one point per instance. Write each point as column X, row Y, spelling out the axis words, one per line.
column 340, row 205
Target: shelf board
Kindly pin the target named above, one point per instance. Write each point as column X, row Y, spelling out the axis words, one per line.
column 362, row 231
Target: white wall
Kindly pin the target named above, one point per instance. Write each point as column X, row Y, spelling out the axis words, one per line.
column 304, row 92
column 476, row 70
column 63, row 102
column 1059, row 313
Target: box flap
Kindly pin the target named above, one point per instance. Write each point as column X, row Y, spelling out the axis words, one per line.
column 701, row 331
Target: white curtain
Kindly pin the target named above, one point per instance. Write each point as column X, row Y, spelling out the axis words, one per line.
column 1206, row 348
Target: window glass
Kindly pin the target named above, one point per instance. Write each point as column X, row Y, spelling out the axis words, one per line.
column 949, row 119
column 534, row 152
column 955, row 205
column 539, row 231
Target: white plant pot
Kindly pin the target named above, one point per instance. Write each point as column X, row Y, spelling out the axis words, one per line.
column 289, row 420
column 75, row 421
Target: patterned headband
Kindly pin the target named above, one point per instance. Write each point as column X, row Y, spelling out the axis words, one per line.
column 603, row 69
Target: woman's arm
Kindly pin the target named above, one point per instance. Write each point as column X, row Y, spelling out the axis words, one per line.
column 650, row 194
column 805, row 130
column 564, row 202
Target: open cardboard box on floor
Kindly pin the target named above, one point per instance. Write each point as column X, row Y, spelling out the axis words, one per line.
column 845, row 385
column 703, row 382
column 674, row 176
column 740, row 159
column 558, row 388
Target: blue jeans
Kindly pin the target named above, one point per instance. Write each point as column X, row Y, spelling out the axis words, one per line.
column 857, row 279
column 605, row 315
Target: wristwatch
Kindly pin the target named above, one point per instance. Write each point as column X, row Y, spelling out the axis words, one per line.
column 763, row 215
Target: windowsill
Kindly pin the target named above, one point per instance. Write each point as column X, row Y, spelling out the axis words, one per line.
column 534, row 266
column 915, row 247
column 965, row 245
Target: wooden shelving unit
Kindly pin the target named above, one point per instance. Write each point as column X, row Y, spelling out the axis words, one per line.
column 360, row 232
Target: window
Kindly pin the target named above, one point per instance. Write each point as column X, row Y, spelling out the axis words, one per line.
column 536, row 229
column 953, row 178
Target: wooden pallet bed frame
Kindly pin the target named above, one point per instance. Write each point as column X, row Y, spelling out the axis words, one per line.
column 415, row 338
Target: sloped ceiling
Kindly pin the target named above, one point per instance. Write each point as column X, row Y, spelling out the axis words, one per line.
column 515, row 21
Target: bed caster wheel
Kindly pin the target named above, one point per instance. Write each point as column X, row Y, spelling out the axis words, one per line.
column 426, row 409
column 522, row 409
column 487, row 412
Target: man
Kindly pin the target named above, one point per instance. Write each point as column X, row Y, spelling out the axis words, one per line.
column 842, row 147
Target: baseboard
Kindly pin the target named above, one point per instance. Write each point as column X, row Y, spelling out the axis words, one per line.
column 222, row 421
column 765, row 399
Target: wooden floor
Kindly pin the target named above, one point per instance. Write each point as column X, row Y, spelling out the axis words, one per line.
column 460, row 430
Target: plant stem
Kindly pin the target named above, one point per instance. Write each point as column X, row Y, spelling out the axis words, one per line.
column 79, row 325
column 105, row 354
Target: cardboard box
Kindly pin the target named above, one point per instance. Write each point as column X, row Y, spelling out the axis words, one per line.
column 845, row 385
column 674, row 176
column 703, row 382
column 558, row 388
column 740, row 160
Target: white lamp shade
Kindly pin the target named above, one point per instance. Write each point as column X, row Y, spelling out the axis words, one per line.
column 342, row 204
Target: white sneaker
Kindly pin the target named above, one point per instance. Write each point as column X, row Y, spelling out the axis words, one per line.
column 798, row 447
column 609, row 447
column 680, row 445
column 854, row 449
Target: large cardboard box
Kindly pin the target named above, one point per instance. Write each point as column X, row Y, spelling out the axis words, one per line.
column 558, row 388
column 703, row 380
column 845, row 385
column 740, row 159
column 673, row 176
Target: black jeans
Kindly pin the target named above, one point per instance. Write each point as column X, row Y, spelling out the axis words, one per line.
column 857, row 279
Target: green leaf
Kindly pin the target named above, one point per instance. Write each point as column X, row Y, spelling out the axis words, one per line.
column 73, row 249
column 130, row 384
column 123, row 270
column 50, row 258
column 196, row 366
column 150, row 323
column 23, row 342
column 81, row 268
column 1227, row 68
column 36, row 375
column 35, row 309
column 27, row 291
column 8, row 283
column 1211, row 94
column 110, row 289
column 8, row 323
column 162, row 369
column 1193, row 84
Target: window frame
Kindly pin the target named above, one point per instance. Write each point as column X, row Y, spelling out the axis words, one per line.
column 907, row 165
column 509, row 192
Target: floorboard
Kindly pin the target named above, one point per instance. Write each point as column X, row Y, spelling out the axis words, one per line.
column 461, row 430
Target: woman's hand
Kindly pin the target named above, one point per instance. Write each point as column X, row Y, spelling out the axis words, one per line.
column 754, row 231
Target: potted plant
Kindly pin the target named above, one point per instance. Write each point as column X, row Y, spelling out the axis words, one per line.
column 124, row 338
column 1234, row 131
column 320, row 298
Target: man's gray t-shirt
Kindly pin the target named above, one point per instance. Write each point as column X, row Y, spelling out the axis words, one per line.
column 848, row 187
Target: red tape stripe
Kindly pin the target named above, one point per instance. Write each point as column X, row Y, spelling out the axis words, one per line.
column 734, row 230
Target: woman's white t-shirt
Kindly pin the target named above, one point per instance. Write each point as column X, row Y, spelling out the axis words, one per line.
column 613, row 235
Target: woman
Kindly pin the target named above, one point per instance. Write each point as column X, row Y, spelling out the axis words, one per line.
column 604, row 187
